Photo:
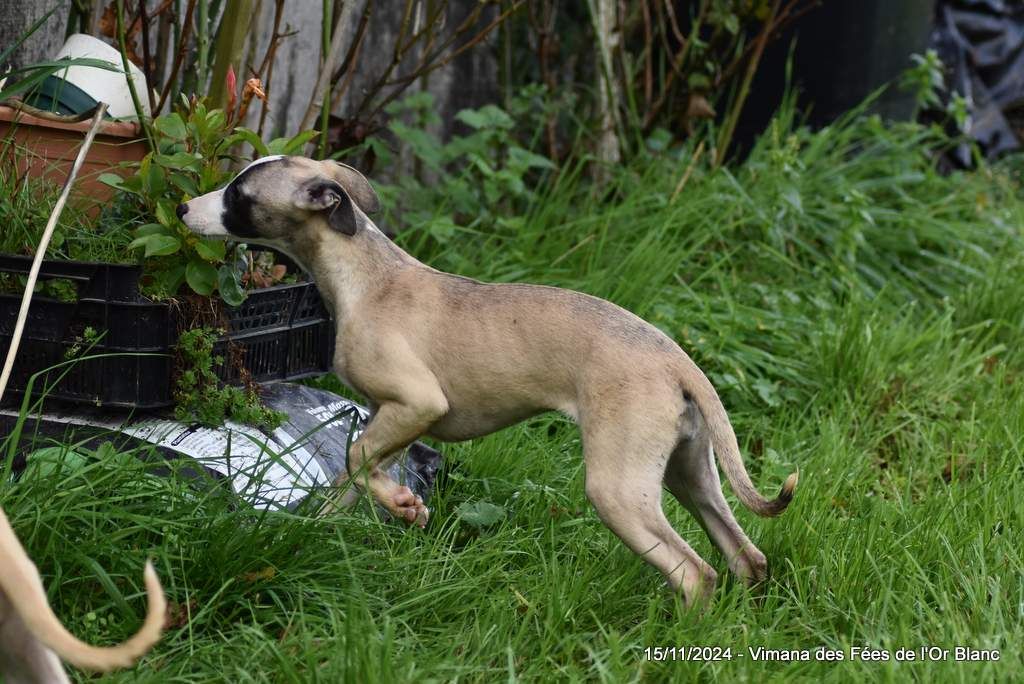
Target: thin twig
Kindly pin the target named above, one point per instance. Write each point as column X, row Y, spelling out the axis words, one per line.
column 333, row 57
column 732, row 117
column 180, row 57
column 671, row 12
column 676, row 63
column 427, row 57
column 424, row 35
column 346, row 67
column 275, row 35
column 397, row 57
column 143, row 122
column 427, row 67
column 147, row 59
column 544, row 27
column 648, row 56
column 785, row 18
column 686, row 174
column 267, row 65
column 403, row 27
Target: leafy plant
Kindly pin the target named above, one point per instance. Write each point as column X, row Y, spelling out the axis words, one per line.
column 195, row 151
column 202, row 398
column 89, row 338
column 480, row 514
column 481, row 179
column 924, row 79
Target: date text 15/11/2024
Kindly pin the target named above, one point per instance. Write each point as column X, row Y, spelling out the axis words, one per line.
column 820, row 654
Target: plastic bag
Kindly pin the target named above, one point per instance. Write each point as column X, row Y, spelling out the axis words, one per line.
column 278, row 469
column 981, row 42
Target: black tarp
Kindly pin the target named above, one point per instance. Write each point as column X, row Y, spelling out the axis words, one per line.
column 981, row 44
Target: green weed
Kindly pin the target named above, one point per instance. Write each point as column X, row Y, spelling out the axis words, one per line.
column 200, row 396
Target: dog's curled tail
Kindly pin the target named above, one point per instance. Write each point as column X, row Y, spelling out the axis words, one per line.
column 20, row 581
column 727, row 449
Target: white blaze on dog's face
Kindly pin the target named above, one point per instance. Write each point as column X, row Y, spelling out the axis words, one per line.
column 274, row 199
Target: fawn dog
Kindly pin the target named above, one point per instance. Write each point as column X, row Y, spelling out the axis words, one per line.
column 453, row 358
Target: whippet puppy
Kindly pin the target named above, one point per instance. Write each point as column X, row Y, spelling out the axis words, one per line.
column 453, row 358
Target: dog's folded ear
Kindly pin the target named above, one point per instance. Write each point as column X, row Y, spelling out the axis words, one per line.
column 323, row 194
column 358, row 188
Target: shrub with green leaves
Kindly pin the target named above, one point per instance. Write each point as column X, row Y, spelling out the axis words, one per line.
column 477, row 181
column 197, row 151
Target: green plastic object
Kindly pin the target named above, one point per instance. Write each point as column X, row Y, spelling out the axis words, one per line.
column 56, row 95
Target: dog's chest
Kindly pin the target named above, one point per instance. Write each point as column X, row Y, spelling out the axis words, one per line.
column 344, row 367
column 340, row 368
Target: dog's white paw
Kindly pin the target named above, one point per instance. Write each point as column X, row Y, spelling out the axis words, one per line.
column 410, row 507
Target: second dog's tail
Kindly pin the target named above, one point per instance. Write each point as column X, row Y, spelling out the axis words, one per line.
column 20, row 581
column 727, row 449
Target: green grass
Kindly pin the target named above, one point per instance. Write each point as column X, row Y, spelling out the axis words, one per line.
column 861, row 315
column 25, row 206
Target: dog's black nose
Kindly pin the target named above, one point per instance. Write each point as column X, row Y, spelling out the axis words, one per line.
column 181, row 210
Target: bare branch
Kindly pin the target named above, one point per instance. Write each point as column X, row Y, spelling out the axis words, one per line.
column 332, row 59
column 186, row 28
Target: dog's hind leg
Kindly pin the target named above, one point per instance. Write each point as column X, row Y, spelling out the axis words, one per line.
column 693, row 479
column 623, row 481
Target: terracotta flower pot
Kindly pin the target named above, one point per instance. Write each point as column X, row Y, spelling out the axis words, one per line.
column 47, row 149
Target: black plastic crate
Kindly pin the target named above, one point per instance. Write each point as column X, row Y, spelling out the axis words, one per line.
column 281, row 332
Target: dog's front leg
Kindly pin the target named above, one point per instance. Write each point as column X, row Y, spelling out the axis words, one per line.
column 394, row 426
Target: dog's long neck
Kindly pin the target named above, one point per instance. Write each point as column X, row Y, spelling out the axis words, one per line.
column 346, row 268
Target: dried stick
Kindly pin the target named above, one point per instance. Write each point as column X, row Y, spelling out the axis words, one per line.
column 180, row 57
column 397, row 56
column 346, row 69
column 267, row 65
column 544, row 27
column 333, row 56
column 677, row 62
column 131, row 81
column 147, row 58
column 731, row 119
column 427, row 65
column 670, row 10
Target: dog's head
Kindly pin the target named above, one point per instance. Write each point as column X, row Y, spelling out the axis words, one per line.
column 277, row 199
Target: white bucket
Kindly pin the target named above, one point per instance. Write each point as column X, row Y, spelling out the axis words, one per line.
column 104, row 86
